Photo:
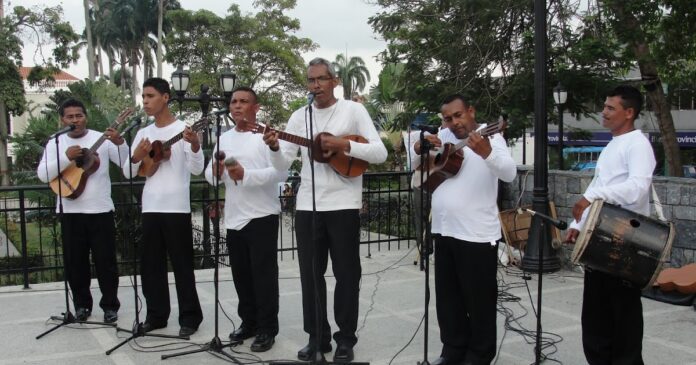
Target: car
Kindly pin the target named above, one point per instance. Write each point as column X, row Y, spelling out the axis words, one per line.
column 690, row 171
column 584, row 166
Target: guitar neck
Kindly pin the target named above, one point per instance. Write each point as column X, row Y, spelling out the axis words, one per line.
column 173, row 140
column 294, row 139
column 490, row 129
column 101, row 139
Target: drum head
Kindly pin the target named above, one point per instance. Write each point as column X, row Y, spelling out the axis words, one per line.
column 586, row 231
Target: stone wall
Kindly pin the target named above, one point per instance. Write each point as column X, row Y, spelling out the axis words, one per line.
column 678, row 197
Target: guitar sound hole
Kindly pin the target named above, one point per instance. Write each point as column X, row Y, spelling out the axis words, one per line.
column 635, row 223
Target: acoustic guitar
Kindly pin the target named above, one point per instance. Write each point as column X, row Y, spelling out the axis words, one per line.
column 445, row 163
column 162, row 151
column 344, row 165
column 71, row 182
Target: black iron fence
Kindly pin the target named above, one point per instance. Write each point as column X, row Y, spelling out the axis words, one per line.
column 30, row 240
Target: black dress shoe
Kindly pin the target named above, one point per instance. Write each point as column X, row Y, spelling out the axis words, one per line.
column 187, row 331
column 344, row 353
column 241, row 333
column 81, row 314
column 441, row 361
column 307, row 352
column 151, row 326
column 262, row 342
column 110, row 316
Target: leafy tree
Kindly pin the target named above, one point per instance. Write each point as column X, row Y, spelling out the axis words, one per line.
column 353, row 74
column 46, row 25
column 260, row 48
column 660, row 36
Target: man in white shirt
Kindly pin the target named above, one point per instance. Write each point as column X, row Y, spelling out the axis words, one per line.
column 88, row 220
column 466, row 228
column 338, row 200
column 166, row 217
column 612, row 312
column 251, row 219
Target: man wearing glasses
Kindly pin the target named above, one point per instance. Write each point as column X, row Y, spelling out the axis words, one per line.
column 338, row 200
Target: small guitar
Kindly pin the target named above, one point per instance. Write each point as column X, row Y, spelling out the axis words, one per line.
column 446, row 163
column 161, row 151
column 71, row 181
column 681, row 279
column 343, row 165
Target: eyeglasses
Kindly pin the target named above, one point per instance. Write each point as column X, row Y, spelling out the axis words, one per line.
column 323, row 80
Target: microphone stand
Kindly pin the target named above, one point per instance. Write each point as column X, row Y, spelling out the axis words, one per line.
column 427, row 246
column 215, row 345
column 137, row 330
column 67, row 317
column 542, row 219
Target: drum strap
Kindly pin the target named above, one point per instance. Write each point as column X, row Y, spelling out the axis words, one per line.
column 658, row 205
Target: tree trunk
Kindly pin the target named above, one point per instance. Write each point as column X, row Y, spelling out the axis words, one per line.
column 4, row 165
column 134, row 76
column 91, row 58
column 160, row 16
column 656, row 95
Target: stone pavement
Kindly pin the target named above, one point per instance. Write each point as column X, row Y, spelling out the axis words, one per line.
column 390, row 323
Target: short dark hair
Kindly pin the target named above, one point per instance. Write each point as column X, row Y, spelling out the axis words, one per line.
column 247, row 89
column 450, row 98
column 71, row 103
column 159, row 84
column 630, row 98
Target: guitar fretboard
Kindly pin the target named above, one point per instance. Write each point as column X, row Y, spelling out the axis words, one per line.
column 294, row 139
column 177, row 137
column 485, row 132
column 101, row 139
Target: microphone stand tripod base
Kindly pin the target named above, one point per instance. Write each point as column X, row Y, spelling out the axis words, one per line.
column 138, row 331
column 215, row 345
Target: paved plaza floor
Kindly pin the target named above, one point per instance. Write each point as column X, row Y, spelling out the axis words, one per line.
column 391, row 328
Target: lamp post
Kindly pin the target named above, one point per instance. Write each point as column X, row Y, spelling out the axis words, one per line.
column 560, row 95
column 180, row 83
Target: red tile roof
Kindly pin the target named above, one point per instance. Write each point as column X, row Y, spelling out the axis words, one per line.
column 62, row 75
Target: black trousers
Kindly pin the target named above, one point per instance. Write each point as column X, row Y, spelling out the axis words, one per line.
column 253, row 254
column 169, row 235
column 337, row 234
column 95, row 233
column 466, row 293
column 612, row 320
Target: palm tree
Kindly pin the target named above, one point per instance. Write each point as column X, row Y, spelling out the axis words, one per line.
column 353, row 74
column 90, row 44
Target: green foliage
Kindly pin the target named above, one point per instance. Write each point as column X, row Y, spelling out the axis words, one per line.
column 485, row 51
column 259, row 48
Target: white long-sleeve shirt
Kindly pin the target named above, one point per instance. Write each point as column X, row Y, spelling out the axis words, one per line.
column 333, row 191
column 256, row 195
column 167, row 191
column 623, row 175
column 96, row 198
column 465, row 206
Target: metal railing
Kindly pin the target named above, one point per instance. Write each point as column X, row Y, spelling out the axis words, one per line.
column 31, row 248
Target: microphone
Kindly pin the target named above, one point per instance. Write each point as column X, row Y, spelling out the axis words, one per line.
column 136, row 122
column 432, row 129
column 310, row 98
column 63, row 131
column 221, row 111
column 560, row 224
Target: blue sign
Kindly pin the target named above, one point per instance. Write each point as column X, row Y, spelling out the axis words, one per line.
column 684, row 139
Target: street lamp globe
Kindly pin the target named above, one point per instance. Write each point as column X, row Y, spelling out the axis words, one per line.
column 227, row 81
column 180, row 80
column 560, row 94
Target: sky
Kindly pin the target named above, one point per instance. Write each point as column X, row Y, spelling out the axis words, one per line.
column 337, row 26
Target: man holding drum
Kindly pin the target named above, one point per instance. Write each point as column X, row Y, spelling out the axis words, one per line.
column 612, row 313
